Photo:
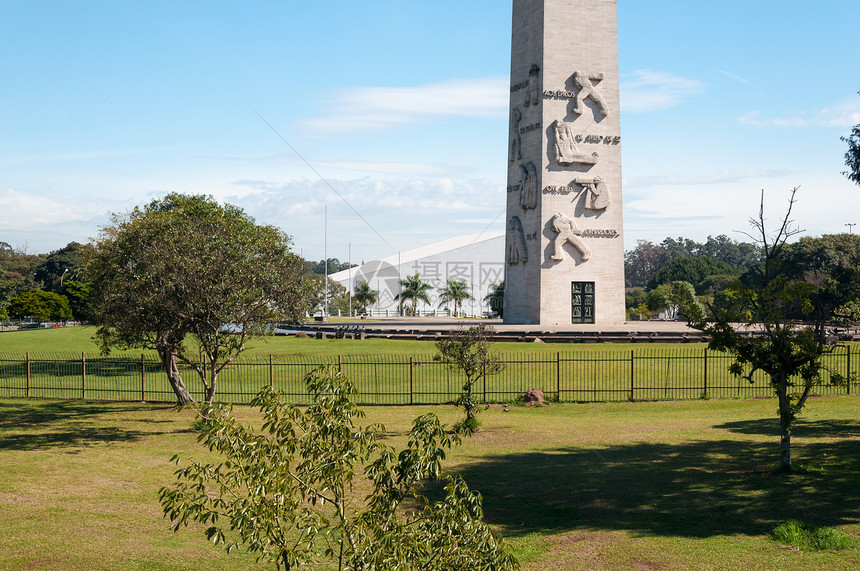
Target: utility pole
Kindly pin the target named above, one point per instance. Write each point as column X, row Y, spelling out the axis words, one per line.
column 349, row 292
column 325, row 277
column 850, row 225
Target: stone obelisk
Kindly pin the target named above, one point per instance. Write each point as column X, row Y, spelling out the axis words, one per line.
column 564, row 248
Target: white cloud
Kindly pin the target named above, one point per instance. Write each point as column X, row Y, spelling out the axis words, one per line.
column 93, row 155
column 21, row 211
column 704, row 179
column 379, row 167
column 846, row 114
column 372, row 194
column 645, row 90
column 405, row 212
column 374, row 108
column 735, row 77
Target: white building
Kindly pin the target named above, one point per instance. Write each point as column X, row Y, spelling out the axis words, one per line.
column 477, row 259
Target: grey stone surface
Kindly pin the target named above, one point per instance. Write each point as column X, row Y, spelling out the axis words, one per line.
column 564, row 167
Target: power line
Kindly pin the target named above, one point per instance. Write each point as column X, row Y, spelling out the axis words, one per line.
column 322, row 178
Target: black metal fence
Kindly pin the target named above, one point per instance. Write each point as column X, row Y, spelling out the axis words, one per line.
column 582, row 376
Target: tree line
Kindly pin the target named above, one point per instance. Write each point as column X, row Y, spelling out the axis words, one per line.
column 53, row 286
column 681, row 272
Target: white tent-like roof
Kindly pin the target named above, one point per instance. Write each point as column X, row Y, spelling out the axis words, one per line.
column 477, row 259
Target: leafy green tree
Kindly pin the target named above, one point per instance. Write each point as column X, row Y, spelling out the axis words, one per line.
column 831, row 263
column 724, row 249
column 5, row 294
column 61, row 265
column 847, row 314
column 194, row 281
column 80, row 296
column 635, row 302
column 413, row 290
column 456, row 291
column 364, row 296
column 338, row 298
column 334, row 265
column 852, row 155
column 691, row 269
column 716, row 283
column 647, row 258
column 496, row 298
column 41, row 305
column 469, row 351
column 17, row 269
column 287, row 492
column 789, row 353
column 679, row 298
column 641, row 262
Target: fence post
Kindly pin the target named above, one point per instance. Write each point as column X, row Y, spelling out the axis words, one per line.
column 28, row 374
column 705, row 392
column 848, row 366
column 411, row 378
column 84, row 375
column 339, row 364
column 632, row 367
column 484, row 375
column 558, row 376
column 271, row 372
column 142, row 379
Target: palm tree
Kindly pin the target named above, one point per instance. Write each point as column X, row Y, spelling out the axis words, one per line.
column 496, row 298
column 364, row 295
column 412, row 288
column 456, row 291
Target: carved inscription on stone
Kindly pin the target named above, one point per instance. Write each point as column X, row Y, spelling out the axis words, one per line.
column 518, row 86
column 595, row 139
column 530, row 128
column 585, row 88
column 517, row 248
column 567, row 233
column 601, row 233
column 552, row 189
column 565, row 149
column 528, row 186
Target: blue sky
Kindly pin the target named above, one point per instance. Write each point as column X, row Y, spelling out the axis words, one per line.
column 395, row 116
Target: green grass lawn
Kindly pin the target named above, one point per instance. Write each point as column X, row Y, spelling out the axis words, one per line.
column 75, row 340
column 659, row 485
column 386, row 371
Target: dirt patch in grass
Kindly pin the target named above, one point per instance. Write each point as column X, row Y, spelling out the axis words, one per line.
column 16, row 499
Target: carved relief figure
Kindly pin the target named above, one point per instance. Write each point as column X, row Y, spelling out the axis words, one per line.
column 596, row 192
column 567, row 232
column 566, row 152
column 584, row 83
column 517, row 249
column 516, row 141
column 533, row 91
column 529, row 192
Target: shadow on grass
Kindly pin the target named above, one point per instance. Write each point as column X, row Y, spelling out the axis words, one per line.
column 34, row 425
column 18, row 413
column 71, row 439
column 801, row 428
column 695, row 489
